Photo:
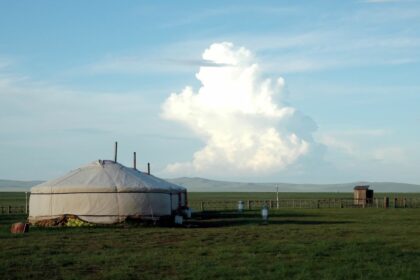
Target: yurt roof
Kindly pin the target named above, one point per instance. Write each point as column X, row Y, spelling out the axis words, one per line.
column 106, row 176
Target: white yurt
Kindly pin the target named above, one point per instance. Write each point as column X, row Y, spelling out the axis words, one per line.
column 106, row 192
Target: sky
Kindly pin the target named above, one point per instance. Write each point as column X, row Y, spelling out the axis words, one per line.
column 285, row 91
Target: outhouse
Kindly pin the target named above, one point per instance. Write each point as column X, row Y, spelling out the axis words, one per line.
column 362, row 195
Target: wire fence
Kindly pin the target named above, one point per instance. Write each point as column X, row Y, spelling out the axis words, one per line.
column 12, row 210
column 209, row 205
column 385, row 202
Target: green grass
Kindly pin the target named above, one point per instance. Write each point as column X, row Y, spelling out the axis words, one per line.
column 297, row 244
column 197, row 196
column 12, row 198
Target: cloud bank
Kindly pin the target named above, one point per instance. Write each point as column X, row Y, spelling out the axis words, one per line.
column 241, row 116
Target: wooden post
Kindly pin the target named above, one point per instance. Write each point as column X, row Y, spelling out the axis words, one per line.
column 386, row 202
column 317, row 203
column 395, row 202
column 249, row 204
column 186, row 198
column 341, row 203
column 179, row 200
column 271, row 203
column 377, row 203
column 115, row 151
column 26, row 202
column 134, row 161
column 405, row 202
column 277, row 197
column 202, row 206
column 9, row 210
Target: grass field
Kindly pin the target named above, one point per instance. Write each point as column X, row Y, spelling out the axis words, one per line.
column 12, row 198
column 297, row 243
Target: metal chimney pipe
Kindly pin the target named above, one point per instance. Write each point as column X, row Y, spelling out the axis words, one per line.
column 134, row 161
column 115, row 152
column 148, row 168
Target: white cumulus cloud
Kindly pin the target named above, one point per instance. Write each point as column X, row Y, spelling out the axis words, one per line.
column 241, row 116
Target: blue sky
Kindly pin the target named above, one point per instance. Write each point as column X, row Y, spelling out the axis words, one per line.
column 76, row 76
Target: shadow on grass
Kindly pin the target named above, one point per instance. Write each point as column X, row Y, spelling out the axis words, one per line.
column 240, row 222
column 207, row 219
column 12, row 218
column 231, row 218
column 248, row 214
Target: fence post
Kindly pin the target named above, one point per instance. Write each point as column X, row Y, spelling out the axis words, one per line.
column 386, row 202
column 10, row 210
column 26, row 202
column 395, row 202
column 249, row 204
column 317, row 203
column 202, row 206
column 405, row 202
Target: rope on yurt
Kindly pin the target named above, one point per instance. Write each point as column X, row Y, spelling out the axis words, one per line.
column 116, row 193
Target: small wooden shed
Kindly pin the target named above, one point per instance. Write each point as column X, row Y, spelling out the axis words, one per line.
column 362, row 195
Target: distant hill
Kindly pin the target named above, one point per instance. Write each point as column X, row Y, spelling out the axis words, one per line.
column 206, row 185
column 17, row 186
